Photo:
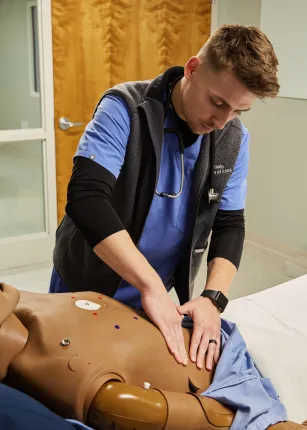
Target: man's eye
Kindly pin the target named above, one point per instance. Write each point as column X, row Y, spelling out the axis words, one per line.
column 217, row 104
column 239, row 113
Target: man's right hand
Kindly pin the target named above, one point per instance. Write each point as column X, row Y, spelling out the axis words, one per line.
column 162, row 311
column 119, row 252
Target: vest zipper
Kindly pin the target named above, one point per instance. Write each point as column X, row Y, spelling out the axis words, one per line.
column 200, row 193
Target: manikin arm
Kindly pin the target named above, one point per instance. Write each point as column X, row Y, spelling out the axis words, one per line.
column 119, row 406
column 13, row 335
column 126, row 407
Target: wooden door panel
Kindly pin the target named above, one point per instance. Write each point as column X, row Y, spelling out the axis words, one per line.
column 68, row 88
column 99, row 43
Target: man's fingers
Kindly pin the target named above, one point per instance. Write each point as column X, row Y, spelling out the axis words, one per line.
column 176, row 353
column 180, row 342
column 182, row 309
column 202, row 349
column 168, row 337
column 217, row 351
column 168, row 333
column 195, row 341
column 211, row 351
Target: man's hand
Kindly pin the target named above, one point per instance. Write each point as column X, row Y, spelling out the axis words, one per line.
column 162, row 311
column 207, row 325
column 119, row 252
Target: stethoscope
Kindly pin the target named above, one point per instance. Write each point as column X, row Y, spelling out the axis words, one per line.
column 213, row 196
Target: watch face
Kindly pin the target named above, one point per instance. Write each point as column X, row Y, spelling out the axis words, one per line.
column 221, row 300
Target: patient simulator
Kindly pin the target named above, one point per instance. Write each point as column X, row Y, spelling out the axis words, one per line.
column 90, row 358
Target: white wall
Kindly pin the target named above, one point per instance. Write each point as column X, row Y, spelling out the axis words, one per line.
column 276, row 210
column 17, row 102
column 245, row 12
column 277, row 198
column 288, row 35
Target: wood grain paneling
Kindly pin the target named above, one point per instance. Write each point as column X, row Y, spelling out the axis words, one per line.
column 99, row 43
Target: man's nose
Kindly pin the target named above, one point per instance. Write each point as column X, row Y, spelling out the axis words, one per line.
column 221, row 120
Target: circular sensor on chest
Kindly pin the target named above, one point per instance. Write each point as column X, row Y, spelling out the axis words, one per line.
column 87, row 305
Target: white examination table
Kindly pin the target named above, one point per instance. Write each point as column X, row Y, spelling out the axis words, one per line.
column 273, row 324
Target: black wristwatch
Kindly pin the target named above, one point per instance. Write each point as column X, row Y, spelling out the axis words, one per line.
column 217, row 297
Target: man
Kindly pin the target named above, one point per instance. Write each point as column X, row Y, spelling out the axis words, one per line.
column 161, row 164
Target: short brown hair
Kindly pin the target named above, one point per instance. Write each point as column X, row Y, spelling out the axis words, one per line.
column 248, row 53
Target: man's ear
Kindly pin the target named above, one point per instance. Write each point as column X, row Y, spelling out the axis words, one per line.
column 190, row 67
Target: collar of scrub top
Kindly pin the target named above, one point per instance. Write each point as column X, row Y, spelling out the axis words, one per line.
column 212, row 195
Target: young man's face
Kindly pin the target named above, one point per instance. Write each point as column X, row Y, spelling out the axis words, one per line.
column 211, row 99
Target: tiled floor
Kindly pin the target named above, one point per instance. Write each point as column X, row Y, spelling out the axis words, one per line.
column 260, row 269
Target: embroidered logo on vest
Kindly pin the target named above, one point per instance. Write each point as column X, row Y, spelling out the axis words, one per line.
column 220, row 169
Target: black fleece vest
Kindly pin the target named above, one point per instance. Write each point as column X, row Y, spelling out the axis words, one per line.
column 74, row 259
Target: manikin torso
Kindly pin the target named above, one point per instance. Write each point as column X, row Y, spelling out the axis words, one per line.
column 72, row 350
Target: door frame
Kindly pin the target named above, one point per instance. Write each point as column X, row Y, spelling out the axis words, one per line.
column 214, row 15
column 37, row 248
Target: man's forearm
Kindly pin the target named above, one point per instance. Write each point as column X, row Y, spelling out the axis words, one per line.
column 119, row 252
column 221, row 273
column 225, row 249
column 227, row 238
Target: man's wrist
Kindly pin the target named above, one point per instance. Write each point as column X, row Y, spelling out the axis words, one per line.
column 213, row 287
column 210, row 302
column 149, row 283
column 218, row 299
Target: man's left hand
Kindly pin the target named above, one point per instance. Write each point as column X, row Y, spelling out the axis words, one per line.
column 207, row 326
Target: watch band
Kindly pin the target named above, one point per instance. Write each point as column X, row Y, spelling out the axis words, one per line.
column 217, row 297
